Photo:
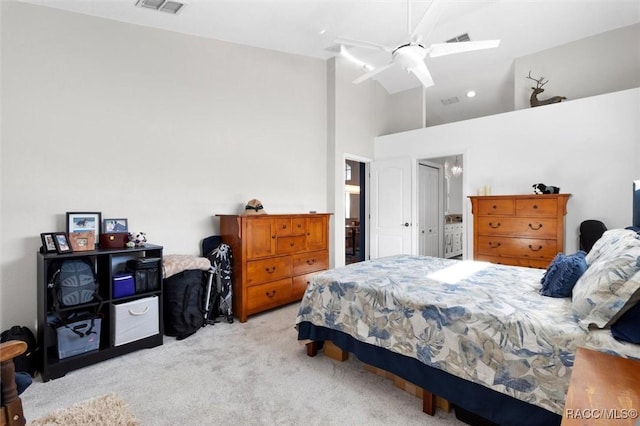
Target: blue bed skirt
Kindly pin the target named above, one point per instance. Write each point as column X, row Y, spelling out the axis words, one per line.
column 476, row 399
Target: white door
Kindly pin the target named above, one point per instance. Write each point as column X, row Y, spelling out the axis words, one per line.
column 391, row 227
column 428, row 210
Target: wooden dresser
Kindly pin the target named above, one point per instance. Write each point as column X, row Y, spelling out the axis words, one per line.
column 274, row 257
column 522, row 230
column 604, row 390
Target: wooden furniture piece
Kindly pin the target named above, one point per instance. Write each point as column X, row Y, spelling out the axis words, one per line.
column 274, row 257
column 453, row 239
column 429, row 400
column 604, row 389
column 107, row 262
column 11, row 412
column 520, row 230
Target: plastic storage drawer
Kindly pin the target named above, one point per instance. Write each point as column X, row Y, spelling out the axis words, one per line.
column 134, row 320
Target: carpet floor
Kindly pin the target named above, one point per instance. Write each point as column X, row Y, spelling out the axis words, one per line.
column 253, row 373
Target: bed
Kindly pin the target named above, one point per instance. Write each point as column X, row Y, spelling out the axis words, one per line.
column 479, row 335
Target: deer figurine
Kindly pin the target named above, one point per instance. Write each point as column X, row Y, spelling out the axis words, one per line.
column 534, row 101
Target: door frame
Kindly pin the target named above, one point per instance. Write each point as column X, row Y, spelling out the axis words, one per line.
column 466, row 207
column 364, row 208
column 420, row 192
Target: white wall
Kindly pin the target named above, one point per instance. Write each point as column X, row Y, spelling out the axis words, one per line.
column 604, row 63
column 162, row 128
column 356, row 114
column 588, row 147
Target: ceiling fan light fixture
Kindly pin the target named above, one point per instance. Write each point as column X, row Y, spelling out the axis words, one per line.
column 471, row 94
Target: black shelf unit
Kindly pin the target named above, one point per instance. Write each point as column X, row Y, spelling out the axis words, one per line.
column 106, row 263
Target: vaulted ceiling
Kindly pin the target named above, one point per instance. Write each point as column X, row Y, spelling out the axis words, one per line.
column 310, row 28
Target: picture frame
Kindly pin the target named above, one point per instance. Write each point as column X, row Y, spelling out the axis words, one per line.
column 48, row 242
column 110, row 226
column 61, row 240
column 82, row 240
column 85, row 222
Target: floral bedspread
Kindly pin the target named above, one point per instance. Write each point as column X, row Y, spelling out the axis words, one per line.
column 482, row 322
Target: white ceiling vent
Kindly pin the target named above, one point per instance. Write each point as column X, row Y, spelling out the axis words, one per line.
column 450, row 101
column 461, row 37
column 171, row 6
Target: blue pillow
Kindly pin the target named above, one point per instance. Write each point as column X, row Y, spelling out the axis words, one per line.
column 562, row 274
column 627, row 327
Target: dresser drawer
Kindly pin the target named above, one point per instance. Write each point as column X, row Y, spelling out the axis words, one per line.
column 271, row 269
column 517, row 247
column 310, row 262
column 264, row 296
column 283, row 226
column 292, row 244
column 299, row 225
column 540, row 208
column 495, row 207
column 300, row 284
column 517, row 226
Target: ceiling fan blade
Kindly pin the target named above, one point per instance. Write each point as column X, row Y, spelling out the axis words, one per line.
column 428, row 21
column 370, row 74
column 442, row 49
column 422, row 73
column 364, row 44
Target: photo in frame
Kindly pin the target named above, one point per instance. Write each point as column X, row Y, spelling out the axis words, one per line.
column 48, row 242
column 61, row 242
column 85, row 222
column 82, row 241
column 115, row 225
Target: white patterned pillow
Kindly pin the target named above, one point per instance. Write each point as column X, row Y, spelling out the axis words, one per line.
column 609, row 244
column 611, row 284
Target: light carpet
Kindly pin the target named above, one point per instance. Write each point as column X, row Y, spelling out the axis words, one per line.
column 253, row 373
column 107, row 410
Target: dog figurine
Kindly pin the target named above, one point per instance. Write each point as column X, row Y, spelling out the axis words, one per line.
column 541, row 188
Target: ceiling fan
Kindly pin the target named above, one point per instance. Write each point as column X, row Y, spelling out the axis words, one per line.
column 410, row 54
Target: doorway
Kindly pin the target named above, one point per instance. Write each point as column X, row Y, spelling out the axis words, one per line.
column 354, row 192
column 430, row 209
column 448, row 195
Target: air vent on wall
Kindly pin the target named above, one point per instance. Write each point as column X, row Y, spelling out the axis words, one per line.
column 171, row 6
column 461, row 37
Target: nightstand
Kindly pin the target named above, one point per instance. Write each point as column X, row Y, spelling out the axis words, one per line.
column 604, row 390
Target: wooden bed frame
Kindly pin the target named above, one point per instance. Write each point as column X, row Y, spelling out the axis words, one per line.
column 429, row 400
column 473, row 403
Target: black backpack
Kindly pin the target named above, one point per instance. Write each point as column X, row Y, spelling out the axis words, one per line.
column 27, row 362
column 182, row 301
column 73, row 282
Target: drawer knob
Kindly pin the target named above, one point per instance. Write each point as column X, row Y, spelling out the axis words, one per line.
column 494, row 207
column 495, row 245
column 284, row 226
column 270, row 270
column 299, row 225
column 273, row 237
column 270, row 293
column 496, row 226
column 292, row 244
column 535, row 229
column 311, row 261
column 535, row 206
column 535, row 249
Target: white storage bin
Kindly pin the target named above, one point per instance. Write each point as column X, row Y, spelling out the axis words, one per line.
column 134, row 320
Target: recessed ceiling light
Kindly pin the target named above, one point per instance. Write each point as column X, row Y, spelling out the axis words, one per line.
column 471, row 93
column 322, row 31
